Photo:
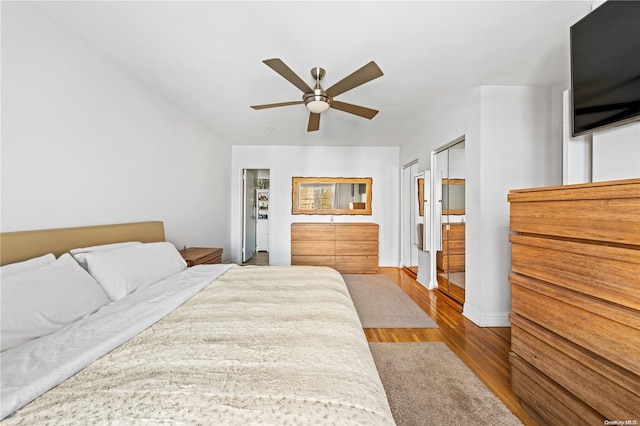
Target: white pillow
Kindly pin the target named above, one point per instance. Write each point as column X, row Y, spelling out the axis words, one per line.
column 39, row 302
column 122, row 271
column 80, row 254
column 27, row 265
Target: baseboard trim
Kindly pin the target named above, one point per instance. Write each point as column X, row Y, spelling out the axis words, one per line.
column 483, row 319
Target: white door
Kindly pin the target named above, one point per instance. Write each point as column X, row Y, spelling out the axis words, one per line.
column 249, row 213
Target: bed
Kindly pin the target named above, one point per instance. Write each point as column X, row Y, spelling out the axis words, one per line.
column 210, row 344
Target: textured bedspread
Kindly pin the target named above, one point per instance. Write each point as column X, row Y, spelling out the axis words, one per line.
column 261, row 345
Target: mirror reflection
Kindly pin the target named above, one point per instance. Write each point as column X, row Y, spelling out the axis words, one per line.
column 331, row 196
column 453, row 196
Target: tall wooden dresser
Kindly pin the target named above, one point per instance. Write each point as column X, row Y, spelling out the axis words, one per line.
column 350, row 248
column 575, row 300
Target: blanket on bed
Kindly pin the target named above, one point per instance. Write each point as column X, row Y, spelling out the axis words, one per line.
column 260, row 345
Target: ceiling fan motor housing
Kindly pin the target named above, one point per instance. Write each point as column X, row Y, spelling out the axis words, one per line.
column 318, row 101
column 317, row 73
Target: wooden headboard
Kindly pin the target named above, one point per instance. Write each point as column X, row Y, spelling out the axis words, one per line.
column 23, row 245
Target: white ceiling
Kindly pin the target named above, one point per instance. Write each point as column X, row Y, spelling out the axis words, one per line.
column 206, row 57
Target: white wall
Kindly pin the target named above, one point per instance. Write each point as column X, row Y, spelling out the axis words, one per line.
column 515, row 152
column 508, row 144
column 85, row 143
column 576, row 151
column 609, row 154
column 616, row 153
column 380, row 163
column 462, row 120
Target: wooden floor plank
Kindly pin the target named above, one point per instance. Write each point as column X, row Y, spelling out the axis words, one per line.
column 484, row 350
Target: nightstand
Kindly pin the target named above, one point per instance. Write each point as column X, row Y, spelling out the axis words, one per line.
column 201, row 255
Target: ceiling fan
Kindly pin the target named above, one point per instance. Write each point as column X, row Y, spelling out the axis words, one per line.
column 318, row 100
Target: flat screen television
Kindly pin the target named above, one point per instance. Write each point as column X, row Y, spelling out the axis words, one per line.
column 605, row 67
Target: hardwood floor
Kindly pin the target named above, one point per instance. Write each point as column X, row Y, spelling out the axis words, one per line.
column 260, row 258
column 484, row 350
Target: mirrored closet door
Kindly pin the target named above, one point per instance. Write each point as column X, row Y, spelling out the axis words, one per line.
column 449, row 221
column 410, row 218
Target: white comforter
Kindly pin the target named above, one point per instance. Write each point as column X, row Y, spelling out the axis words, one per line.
column 261, row 345
column 33, row 368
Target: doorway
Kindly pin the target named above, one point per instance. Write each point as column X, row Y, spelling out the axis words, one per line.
column 255, row 216
column 410, row 218
column 449, row 220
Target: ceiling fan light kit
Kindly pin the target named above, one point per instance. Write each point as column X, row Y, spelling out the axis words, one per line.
column 317, row 103
column 318, row 100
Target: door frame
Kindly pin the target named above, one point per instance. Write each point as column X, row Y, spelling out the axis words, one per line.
column 240, row 250
column 245, row 208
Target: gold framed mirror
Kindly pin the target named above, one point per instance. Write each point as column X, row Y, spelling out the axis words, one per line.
column 421, row 196
column 336, row 196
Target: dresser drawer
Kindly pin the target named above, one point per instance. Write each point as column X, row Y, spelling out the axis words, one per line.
column 604, row 212
column 356, row 231
column 451, row 262
column 597, row 326
column 453, row 246
column 312, row 231
column 313, row 248
column 314, row 261
column 608, row 273
column 610, row 391
column 456, row 231
column 361, row 248
column 357, row 264
column 455, row 262
column 550, row 401
column 211, row 259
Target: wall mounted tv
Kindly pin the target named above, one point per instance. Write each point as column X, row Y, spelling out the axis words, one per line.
column 605, row 67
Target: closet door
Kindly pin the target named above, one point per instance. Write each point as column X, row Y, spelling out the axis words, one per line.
column 449, row 224
column 411, row 217
column 441, row 224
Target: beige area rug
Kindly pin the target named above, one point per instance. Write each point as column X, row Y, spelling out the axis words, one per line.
column 427, row 384
column 382, row 304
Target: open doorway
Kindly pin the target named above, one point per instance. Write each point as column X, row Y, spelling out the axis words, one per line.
column 255, row 216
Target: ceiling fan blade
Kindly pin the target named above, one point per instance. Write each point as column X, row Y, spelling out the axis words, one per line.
column 314, row 122
column 365, row 74
column 354, row 109
column 281, row 104
column 281, row 68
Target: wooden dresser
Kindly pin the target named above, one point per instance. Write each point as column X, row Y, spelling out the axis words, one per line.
column 350, row 248
column 575, row 300
column 451, row 257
